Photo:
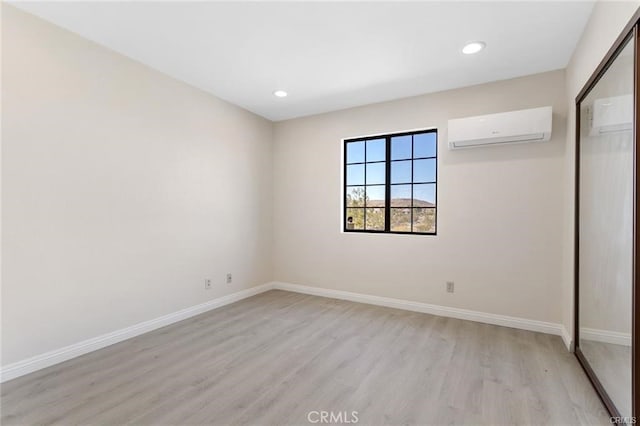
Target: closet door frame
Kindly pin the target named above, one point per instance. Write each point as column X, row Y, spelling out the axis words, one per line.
column 631, row 33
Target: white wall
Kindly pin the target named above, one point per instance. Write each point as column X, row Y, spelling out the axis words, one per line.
column 607, row 21
column 122, row 190
column 500, row 209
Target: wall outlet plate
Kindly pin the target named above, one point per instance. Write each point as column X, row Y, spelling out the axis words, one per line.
column 229, row 278
column 207, row 284
column 450, row 286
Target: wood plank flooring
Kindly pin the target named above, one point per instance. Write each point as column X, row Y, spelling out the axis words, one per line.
column 612, row 365
column 273, row 358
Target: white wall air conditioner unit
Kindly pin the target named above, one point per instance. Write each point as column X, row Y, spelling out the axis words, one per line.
column 527, row 125
column 609, row 115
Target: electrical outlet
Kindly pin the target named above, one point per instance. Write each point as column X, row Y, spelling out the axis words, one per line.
column 229, row 278
column 449, row 286
column 207, row 284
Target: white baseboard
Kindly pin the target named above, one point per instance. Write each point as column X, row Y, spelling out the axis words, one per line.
column 443, row 311
column 38, row 362
column 567, row 339
column 57, row 356
column 605, row 336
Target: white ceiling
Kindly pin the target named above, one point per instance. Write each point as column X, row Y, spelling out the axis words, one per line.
column 328, row 55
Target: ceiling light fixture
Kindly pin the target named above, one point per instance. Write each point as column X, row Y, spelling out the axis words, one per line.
column 280, row 93
column 473, row 47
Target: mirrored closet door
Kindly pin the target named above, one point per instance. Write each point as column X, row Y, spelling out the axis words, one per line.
column 605, row 233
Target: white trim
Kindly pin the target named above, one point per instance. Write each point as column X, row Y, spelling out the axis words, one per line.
column 50, row 358
column 443, row 311
column 566, row 338
column 57, row 356
column 605, row 336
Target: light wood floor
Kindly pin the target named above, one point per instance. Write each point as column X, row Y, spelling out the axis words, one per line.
column 612, row 365
column 272, row 358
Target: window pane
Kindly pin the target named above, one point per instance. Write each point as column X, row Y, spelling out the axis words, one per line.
column 424, row 220
column 401, row 220
column 355, row 196
column 376, row 173
column 401, row 167
column 355, row 174
column 424, row 170
column 424, row 195
column 375, row 219
column 401, row 172
column 357, row 219
column 376, row 150
column 424, row 145
column 400, row 195
column 401, row 147
column 355, row 152
column 375, row 196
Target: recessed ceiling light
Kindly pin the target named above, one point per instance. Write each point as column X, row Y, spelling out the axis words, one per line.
column 473, row 47
column 280, row 93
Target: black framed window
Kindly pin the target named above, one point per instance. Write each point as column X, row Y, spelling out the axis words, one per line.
column 390, row 183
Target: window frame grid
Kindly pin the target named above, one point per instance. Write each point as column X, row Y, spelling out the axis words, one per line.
column 388, row 184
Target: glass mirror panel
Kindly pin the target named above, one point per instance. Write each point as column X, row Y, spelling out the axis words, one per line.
column 605, row 229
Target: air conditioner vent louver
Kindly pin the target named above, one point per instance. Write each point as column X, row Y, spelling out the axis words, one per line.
column 611, row 115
